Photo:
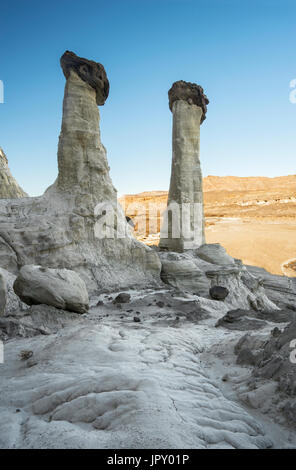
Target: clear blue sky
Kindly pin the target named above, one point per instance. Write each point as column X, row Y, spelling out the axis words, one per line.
column 241, row 51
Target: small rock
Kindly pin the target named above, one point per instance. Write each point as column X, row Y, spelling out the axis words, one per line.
column 100, row 302
column 218, row 292
column 122, row 298
column 225, row 378
column 25, row 354
column 160, row 304
column 137, row 319
column 276, row 332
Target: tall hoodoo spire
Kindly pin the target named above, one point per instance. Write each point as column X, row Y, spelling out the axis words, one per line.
column 183, row 226
column 82, row 160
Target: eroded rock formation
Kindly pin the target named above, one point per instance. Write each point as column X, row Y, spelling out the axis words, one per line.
column 9, row 188
column 57, row 230
column 3, row 295
column 197, row 271
column 183, row 223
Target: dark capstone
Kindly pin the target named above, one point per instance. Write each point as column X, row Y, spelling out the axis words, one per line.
column 89, row 71
column 219, row 292
column 122, row 298
column 190, row 92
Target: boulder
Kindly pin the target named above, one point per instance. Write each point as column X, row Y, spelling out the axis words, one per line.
column 60, row 288
column 214, row 253
column 122, row 298
column 218, row 292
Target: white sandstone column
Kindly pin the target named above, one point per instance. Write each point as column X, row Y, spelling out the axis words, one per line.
column 183, row 222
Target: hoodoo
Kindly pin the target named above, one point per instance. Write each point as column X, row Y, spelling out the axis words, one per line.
column 60, row 228
column 183, row 224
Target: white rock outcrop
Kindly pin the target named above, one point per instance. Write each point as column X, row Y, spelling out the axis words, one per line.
column 60, row 288
column 13, row 303
column 3, row 295
column 9, row 188
column 111, row 385
column 196, row 272
column 57, row 230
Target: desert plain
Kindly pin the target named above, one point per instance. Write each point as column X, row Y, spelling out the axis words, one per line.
column 254, row 218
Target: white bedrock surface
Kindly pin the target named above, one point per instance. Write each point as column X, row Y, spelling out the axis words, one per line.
column 114, row 383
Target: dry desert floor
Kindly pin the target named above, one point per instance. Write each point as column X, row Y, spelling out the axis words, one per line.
column 254, row 218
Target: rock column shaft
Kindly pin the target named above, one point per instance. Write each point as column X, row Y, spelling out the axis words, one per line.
column 83, row 165
column 183, row 225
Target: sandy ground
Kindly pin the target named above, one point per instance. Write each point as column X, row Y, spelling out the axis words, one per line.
column 265, row 243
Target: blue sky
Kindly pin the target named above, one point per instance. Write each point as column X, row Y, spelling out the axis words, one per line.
column 241, row 51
